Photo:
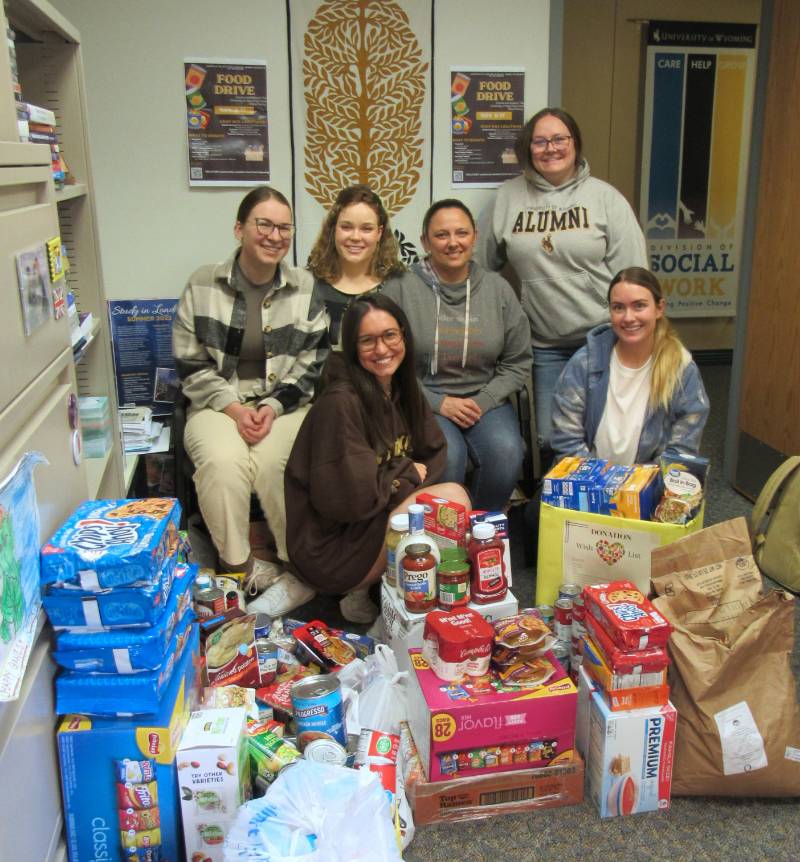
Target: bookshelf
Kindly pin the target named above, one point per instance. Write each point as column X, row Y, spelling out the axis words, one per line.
column 41, row 375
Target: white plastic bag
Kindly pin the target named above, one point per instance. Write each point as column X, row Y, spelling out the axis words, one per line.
column 315, row 812
column 383, row 701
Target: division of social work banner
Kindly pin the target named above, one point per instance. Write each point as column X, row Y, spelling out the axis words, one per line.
column 696, row 142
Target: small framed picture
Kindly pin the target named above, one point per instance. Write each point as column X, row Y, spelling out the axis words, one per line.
column 35, row 292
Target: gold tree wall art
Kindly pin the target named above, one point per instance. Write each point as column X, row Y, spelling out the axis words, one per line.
column 364, row 81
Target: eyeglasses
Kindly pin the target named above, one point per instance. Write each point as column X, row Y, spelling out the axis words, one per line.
column 559, row 142
column 265, row 227
column 391, row 338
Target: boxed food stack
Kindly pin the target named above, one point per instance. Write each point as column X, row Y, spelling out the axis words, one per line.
column 631, row 733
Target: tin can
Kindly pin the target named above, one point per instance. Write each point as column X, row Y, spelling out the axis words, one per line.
column 562, row 613
column 318, row 713
column 208, row 600
column 561, row 652
column 569, row 591
column 267, row 653
column 546, row 614
column 377, row 752
column 325, row 751
column 262, row 626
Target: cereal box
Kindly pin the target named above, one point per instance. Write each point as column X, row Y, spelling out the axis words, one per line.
column 445, row 520
column 111, row 543
column 629, row 765
column 214, row 778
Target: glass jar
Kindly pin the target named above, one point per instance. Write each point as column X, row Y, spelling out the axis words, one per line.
column 453, row 579
column 489, row 583
column 398, row 528
column 418, row 574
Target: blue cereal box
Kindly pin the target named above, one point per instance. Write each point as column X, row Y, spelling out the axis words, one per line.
column 112, row 543
column 606, row 487
column 119, row 781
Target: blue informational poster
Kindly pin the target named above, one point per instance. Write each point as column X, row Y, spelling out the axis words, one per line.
column 141, row 336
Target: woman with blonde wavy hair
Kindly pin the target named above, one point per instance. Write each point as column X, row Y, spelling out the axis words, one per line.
column 355, row 253
column 633, row 391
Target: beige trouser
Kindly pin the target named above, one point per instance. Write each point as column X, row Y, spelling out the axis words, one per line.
column 228, row 470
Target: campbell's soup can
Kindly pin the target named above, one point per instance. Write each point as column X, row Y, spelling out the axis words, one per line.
column 562, row 613
column 318, row 712
column 377, row 751
column 569, row 591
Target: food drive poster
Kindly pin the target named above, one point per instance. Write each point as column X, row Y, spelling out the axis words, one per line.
column 695, row 149
column 487, row 113
column 226, row 116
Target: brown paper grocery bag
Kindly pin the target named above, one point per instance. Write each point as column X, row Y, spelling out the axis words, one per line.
column 731, row 680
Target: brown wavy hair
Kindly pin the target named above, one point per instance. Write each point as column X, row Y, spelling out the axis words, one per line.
column 323, row 261
column 523, row 146
column 668, row 350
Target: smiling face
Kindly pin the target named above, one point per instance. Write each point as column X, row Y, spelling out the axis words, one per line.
column 555, row 164
column 634, row 314
column 449, row 241
column 261, row 254
column 374, row 354
column 357, row 234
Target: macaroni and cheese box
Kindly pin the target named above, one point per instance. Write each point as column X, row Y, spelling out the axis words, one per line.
column 629, row 765
column 111, row 543
column 118, row 778
column 575, row 485
column 214, row 777
column 601, row 496
column 479, row 727
column 637, row 496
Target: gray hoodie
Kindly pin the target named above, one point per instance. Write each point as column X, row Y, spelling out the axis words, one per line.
column 565, row 244
column 486, row 355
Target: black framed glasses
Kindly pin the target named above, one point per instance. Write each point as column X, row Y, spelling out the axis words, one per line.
column 558, row 142
column 390, row 337
column 266, row 228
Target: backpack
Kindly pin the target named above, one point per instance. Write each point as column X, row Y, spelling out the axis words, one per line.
column 775, row 525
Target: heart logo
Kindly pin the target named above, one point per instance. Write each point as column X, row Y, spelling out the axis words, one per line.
column 610, row 552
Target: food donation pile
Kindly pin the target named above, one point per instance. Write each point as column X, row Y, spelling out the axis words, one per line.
column 194, row 730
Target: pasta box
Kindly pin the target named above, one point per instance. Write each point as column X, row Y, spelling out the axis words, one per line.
column 118, row 779
column 480, row 727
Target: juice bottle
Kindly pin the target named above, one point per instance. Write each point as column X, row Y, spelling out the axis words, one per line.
column 416, row 534
column 398, row 528
column 485, row 551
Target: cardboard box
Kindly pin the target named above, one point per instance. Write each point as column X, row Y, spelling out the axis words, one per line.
column 560, row 783
column 629, row 766
column 584, row 548
column 445, row 520
column 586, row 685
column 404, row 629
column 90, row 751
column 214, row 778
column 460, row 728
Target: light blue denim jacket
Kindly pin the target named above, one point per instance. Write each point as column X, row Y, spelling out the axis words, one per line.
column 580, row 399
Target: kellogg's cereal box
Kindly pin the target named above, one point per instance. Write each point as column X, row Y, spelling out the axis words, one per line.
column 111, row 543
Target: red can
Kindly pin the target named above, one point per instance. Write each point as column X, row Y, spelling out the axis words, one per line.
column 562, row 614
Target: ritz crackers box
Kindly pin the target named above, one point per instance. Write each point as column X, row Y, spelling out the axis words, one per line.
column 446, row 719
column 88, row 748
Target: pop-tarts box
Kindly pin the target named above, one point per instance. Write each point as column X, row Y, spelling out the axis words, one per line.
column 106, row 762
column 111, row 543
column 629, row 763
column 475, row 727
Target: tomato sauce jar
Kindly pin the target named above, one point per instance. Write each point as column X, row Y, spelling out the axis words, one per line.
column 453, row 584
column 489, row 583
column 419, row 578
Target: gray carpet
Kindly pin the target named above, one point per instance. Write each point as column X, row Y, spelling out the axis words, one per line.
column 693, row 830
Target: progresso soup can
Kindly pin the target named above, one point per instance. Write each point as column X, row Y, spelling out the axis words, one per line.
column 318, row 712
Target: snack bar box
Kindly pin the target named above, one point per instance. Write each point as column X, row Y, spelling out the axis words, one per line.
column 470, row 728
column 214, row 779
column 560, row 783
column 102, row 792
column 584, row 548
column 404, row 629
column 629, row 764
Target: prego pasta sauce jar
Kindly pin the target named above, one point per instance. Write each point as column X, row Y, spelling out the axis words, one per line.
column 419, row 578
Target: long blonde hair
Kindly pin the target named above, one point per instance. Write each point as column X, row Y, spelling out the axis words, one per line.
column 669, row 354
column 323, row 261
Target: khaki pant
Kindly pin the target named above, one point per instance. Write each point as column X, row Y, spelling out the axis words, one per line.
column 228, row 470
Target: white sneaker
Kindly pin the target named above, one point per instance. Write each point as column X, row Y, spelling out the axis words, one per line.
column 263, row 574
column 357, row 607
column 286, row 594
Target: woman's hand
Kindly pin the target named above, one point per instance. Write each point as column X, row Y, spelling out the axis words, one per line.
column 463, row 411
column 253, row 425
column 422, row 471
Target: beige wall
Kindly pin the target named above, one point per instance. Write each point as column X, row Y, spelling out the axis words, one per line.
column 603, row 59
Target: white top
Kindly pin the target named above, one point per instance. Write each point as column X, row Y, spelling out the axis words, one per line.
column 626, row 404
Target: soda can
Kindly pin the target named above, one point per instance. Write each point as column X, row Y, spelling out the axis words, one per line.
column 569, row 591
column 325, row 751
column 562, row 611
column 318, row 712
column 546, row 614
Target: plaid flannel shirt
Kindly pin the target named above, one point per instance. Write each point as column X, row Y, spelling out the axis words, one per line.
column 209, row 327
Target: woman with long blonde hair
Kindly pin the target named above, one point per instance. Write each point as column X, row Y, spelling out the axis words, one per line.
column 633, row 391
